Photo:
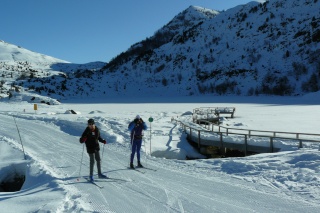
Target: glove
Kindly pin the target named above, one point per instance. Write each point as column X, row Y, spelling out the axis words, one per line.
column 104, row 141
column 82, row 140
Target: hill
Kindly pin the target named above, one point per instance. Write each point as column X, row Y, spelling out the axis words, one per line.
column 267, row 48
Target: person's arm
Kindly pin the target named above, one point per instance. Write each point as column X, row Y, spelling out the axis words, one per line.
column 101, row 140
column 144, row 126
column 83, row 138
column 131, row 126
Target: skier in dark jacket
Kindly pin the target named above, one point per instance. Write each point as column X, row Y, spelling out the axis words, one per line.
column 91, row 137
column 136, row 127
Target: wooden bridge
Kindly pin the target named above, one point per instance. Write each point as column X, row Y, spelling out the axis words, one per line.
column 206, row 134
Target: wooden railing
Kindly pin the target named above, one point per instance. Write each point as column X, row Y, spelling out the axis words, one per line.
column 195, row 132
column 251, row 132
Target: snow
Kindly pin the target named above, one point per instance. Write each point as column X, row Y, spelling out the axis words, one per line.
column 285, row 181
column 55, row 163
column 10, row 53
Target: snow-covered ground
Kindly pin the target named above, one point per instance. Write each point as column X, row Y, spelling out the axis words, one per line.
column 277, row 182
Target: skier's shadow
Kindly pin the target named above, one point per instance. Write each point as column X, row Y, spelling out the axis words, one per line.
column 81, row 179
column 170, row 138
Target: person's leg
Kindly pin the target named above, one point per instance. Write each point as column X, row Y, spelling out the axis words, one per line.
column 139, row 143
column 138, row 153
column 133, row 150
column 91, row 155
column 98, row 159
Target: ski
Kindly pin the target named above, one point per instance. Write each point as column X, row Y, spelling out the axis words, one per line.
column 109, row 179
column 94, row 183
column 147, row 168
column 119, row 179
column 136, row 170
column 139, row 171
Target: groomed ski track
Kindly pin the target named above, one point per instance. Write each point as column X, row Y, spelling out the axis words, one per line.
column 176, row 186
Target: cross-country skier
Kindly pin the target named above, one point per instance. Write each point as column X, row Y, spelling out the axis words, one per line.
column 91, row 136
column 136, row 127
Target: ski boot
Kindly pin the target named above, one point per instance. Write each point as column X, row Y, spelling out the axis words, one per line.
column 131, row 166
column 102, row 176
column 139, row 164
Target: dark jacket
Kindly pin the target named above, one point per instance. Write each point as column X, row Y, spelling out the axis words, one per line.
column 92, row 139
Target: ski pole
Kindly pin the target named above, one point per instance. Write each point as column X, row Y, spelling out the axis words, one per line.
column 145, row 149
column 131, row 145
column 150, row 120
column 81, row 161
column 20, row 137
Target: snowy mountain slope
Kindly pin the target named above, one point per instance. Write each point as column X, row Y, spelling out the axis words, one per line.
column 257, row 48
column 268, row 48
column 18, row 65
column 183, row 21
column 12, row 53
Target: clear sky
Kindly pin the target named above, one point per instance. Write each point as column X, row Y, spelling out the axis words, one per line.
column 82, row 31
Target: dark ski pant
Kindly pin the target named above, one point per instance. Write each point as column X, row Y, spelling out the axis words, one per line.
column 135, row 147
column 96, row 156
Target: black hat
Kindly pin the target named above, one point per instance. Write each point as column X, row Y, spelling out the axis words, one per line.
column 90, row 121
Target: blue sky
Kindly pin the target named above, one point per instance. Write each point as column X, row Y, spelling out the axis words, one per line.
column 82, row 31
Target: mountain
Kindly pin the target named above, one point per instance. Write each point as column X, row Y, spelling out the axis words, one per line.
column 10, row 53
column 185, row 20
column 22, row 69
column 258, row 48
column 268, row 48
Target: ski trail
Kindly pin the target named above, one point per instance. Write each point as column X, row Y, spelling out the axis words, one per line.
column 181, row 206
column 178, row 186
column 57, row 166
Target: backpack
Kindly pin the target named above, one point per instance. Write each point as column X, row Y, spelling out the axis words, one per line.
column 137, row 131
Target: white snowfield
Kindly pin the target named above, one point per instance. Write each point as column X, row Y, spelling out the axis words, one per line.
column 276, row 182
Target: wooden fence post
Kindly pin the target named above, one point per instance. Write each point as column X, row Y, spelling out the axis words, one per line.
column 199, row 139
column 245, row 145
column 271, row 144
column 222, row 150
